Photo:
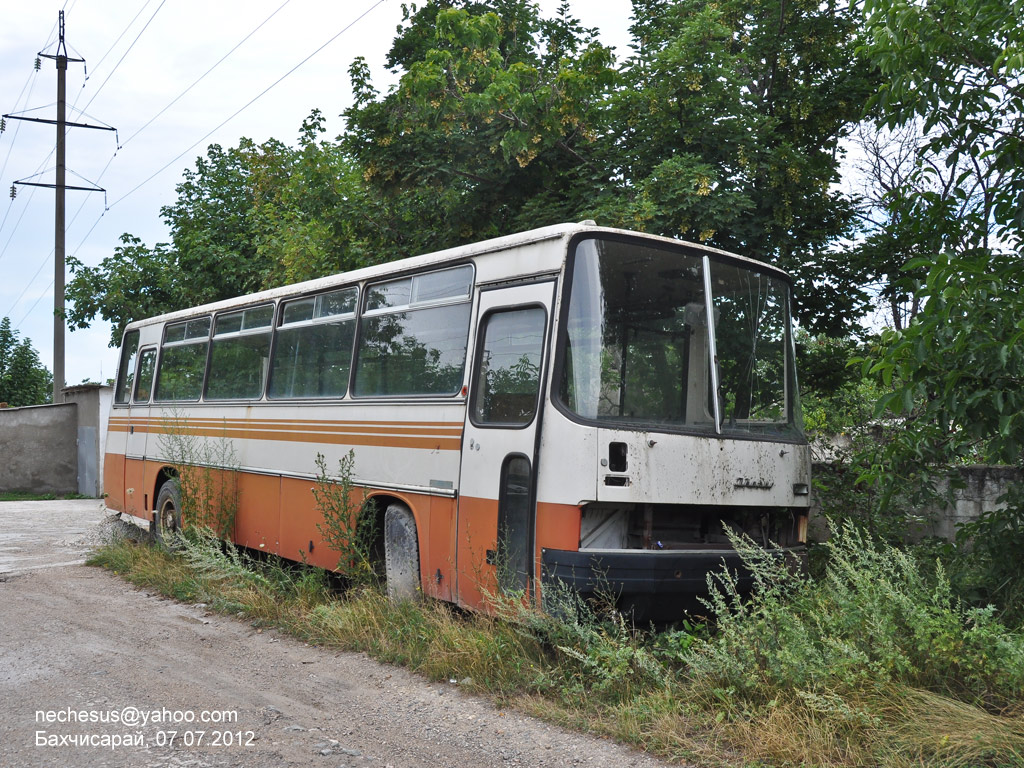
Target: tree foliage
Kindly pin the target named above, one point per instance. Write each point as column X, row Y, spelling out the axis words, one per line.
column 727, row 128
column 23, row 379
column 957, row 370
column 246, row 218
column 723, row 127
column 491, row 127
column 958, row 66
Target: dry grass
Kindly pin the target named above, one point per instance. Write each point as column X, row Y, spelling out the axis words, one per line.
column 529, row 664
column 938, row 730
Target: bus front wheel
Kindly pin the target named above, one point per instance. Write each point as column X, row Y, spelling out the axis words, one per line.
column 167, row 518
column 401, row 553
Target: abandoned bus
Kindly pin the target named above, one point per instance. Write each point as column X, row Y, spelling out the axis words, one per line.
column 582, row 404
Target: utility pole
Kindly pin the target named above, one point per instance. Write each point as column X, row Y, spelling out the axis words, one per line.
column 58, row 223
column 61, row 58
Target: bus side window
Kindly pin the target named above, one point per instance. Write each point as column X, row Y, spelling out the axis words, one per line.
column 313, row 346
column 126, row 370
column 413, row 335
column 144, row 380
column 183, row 360
column 241, row 351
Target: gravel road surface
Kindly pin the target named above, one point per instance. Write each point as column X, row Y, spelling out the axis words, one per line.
column 94, row 672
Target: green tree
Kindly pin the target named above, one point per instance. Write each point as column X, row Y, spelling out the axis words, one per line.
column 957, row 370
column 213, row 252
column 23, row 379
column 723, row 127
column 132, row 283
column 213, row 224
column 491, row 127
column 727, row 128
column 319, row 217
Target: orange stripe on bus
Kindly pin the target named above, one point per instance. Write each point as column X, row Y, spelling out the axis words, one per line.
column 429, row 442
column 354, row 427
column 297, row 422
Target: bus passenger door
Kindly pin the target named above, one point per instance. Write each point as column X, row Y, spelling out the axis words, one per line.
column 138, row 496
column 497, row 484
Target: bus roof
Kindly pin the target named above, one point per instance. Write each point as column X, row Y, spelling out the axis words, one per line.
column 437, row 258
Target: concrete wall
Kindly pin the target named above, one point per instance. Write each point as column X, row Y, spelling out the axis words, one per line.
column 56, row 448
column 38, row 449
column 983, row 486
column 93, row 403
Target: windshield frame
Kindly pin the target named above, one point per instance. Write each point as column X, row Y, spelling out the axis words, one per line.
column 792, row 432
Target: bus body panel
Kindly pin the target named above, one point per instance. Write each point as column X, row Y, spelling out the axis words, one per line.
column 113, row 477
column 686, row 469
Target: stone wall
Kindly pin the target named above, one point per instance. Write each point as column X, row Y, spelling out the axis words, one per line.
column 983, row 485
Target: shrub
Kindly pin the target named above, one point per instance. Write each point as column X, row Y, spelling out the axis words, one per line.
column 874, row 619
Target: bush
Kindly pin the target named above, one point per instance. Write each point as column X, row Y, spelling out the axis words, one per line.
column 874, row 619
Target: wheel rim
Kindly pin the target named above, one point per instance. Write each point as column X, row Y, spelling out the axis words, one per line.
column 168, row 516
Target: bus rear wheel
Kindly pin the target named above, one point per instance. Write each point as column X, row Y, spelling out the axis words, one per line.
column 167, row 518
column 401, row 553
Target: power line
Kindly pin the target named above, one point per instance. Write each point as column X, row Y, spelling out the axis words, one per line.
column 25, row 290
column 202, row 76
column 3, row 169
column 146, row 125
column 61, row 59
column 141, row 31
column 118, row 40
column 249, row 103
column 34, row 303
column 29, row 85
column 235, row 114
column 18, row 222
column 171, row 104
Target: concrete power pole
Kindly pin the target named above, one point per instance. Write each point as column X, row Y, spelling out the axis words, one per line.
column 61, row 58
column 58, row 226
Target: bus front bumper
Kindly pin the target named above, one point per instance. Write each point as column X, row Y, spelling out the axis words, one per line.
column 655, row 585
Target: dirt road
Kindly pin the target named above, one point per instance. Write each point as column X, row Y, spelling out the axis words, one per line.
column 94, row 672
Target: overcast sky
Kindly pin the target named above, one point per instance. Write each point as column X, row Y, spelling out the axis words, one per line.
column 140, row 56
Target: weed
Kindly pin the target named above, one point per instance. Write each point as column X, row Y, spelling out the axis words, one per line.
column 349, row 521
column 874, row 664
column 874, row 618
column 207, row 473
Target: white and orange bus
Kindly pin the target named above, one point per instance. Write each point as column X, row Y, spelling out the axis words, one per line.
column 600, row 406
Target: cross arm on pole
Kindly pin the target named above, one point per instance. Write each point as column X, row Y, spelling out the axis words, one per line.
column 55, row 122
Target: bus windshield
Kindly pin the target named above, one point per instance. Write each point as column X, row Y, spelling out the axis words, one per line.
column 638, row 347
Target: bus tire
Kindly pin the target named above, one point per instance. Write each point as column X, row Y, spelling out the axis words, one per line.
column 167, row 517
column 401, row 553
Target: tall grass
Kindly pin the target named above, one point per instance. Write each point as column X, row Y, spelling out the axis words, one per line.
column 874, row 664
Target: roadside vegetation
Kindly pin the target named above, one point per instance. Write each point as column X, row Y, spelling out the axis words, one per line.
column 874, row 662
column 722, row 126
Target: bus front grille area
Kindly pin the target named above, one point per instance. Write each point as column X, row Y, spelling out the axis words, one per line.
column 653, row 560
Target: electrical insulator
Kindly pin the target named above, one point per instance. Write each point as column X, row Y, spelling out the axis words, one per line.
column 14, row 191
column 3, row 125
column 39, row 64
